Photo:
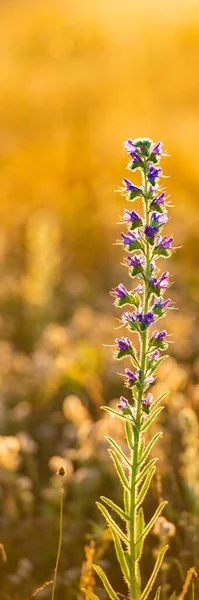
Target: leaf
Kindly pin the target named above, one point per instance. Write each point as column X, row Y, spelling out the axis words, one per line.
column 116, row 508
column 140, row 529
column 112, row 523
column 150, row 446
column 158, row 400
column 105, row 581
column 119, row 450
column 154, row 574
column 145, row 487
column 117, row 414
column 151, row 418
column 153, row 520
column 157, row 596
column 158, row 363
column 126, row 501
column 129, row 434
column 119, row 469
column 145, row 470
column 121, row 556
column 141, row 450
column 173, row 596
column 90, row 594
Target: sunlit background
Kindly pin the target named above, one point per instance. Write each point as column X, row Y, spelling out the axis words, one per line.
column 76, row 80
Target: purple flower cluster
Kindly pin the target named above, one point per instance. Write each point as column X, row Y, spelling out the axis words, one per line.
column 144, row 235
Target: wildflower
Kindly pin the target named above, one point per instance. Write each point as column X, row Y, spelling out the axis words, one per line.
column 164, row 242
column 157, row 149
column 130, row 147
column 162, row 304
column 150, row 231
column 148, row 380
column 155, row 355
column 132, row 241
column 153, row 174
column 159, row 336
column 130, row 377
column 123, row 403
column 120, row 291
column 159, row 200
column 146, row 402
column 135, row 261
column 159, row 219
column 124, row 345
column 148, row 318
column 160, row 284
column 134, row 189
column 132, row 217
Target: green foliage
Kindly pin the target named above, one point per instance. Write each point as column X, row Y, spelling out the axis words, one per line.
column 106, row 583
column 154, row 574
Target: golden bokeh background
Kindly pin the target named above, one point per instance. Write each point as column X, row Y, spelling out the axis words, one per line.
column 76, row 80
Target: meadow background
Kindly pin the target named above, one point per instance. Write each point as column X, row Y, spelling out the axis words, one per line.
column 76, row 80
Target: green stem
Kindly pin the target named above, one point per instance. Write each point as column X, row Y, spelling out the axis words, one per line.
column 60, row 537
column 135, row 468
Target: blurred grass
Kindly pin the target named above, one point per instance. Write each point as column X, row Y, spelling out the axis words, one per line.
column 77, row 79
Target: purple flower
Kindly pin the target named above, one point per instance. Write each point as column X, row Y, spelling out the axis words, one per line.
column 120, row 291
column 129, row 238
column 162, row 303
column 130, row 377
column 123, row 345
column 135, row 261
column 161, row 283
column 155, row 355
column 131, row 216
column 130, row 147
column 157, row 149
column 129, row 187
column 146, row 402
column 123, row 403
column 148, row 380
column 164, row 242
column 128, row 317
column 148, row 318
column 159, row 336
column 153, row 173
column 159, row 219
column 150, row 231
column 159, row 200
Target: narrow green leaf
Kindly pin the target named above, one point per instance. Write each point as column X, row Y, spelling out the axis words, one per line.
column 145, row 470
column 158, row 363
column 152, row 521
column 126, row 497
column 154, row 574
column 117, row 414
column 119, row 469
column 140, row 529
column 90, row 594
column 116, row 508
column 157, row 596
column 141, row 449
column 159, row 399
column 121, row 556
column 173, row 596
column 119, row 450
column 150, row 446
column 145, row 487
column 105, row 581
column 112, row 523
column 129, row 434
column 151, row 418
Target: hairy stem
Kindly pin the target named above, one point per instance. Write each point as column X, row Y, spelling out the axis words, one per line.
column 137, row 435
